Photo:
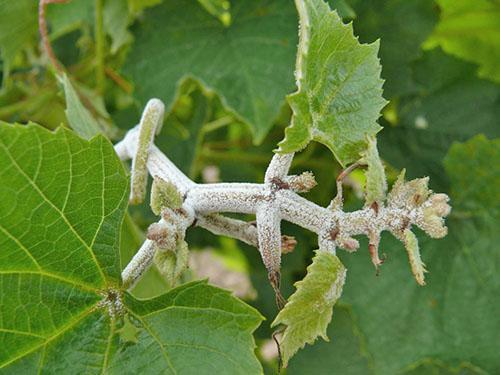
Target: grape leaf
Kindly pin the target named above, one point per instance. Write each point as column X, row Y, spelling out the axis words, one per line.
column 339, row 95
column 69, row 16
column 18, row 20
column 62, row 204
column 79, row 118
column 195, row 328
column 343, row 354
column 249, row 63
column 309, row 310
column 402, row 25
column 116, row 21
column 62, row 207
column 470, row 29
column 482, row 167
column 454, row 318
column 453, row 105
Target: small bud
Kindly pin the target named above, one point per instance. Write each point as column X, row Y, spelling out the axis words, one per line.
column 376, row 182
column 164, row 194
column 302, row 183
column 410, row 194
column 163, row 234
column 288, row 244
column 348, row 243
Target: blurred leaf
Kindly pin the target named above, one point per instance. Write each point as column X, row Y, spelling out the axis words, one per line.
column 454, row 319
column 69, row 16
column 474, row 167
column 454, row 105
column 116, row 21
column 182, row 148
column 308, row 311
column 343, row 9
column 219, row 9
column 18, row 28
column 339, row 95
column 249, row 63
column 402, row 26
column 342, row 355
column 79, row 118
column 470, row 29
column 137, row 6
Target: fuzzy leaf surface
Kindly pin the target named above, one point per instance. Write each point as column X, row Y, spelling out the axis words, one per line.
column 180, row 39
column 309, row 310
column 339, row 95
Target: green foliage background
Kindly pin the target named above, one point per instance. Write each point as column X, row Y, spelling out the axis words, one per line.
column 224, row 81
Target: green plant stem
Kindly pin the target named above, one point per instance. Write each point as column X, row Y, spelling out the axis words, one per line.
column 206, row 128
column 99, row 45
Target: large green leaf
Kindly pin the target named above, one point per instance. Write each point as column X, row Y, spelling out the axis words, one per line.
column 194, row 328
column 470, row 29
column 454, row 319
column 309, row 310
column 63, row 201
column 339, row 95
column 61, row 306
column 249, row 63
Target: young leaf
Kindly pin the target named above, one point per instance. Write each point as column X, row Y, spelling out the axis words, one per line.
column 376, row 183
column 461, row 32
column 416, row 264
column 63, row 202
column 339, row 94
column 309, row 310
column 116, row 21
column 79, row 118
column 248, row 63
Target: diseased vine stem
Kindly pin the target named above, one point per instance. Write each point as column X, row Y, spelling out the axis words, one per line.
column 272, row 201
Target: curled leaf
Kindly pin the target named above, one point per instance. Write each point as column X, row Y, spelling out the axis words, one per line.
column 309, row 310
column 164, row 194
column 416, row 264
column 376, row 182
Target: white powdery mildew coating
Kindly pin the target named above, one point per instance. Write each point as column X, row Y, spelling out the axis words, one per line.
column 275, row 200
column 241, row 198
column 151, row 121
column 112, row 302
column 335, row 290
column 221, row 225
column 269, row 232
column 139, row 264
column 278, row 167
